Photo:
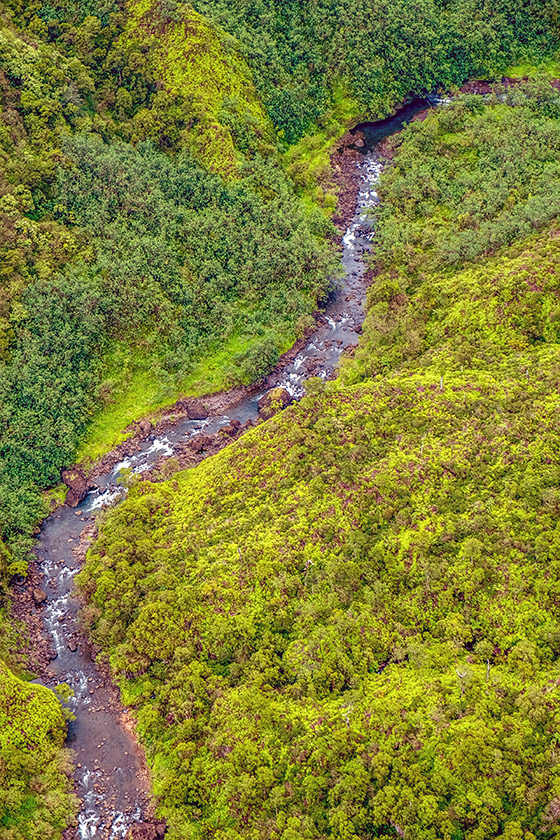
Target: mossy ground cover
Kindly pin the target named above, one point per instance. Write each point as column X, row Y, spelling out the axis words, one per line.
column 308, row 160
column 346, row 623
column 549, row 68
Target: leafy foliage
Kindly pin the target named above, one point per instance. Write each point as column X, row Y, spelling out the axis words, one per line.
column 122, row 227
column 35, row 798
column 144, row 214
column 346, row 623
column 472, row 177
column 71, row 198
column 200, row 72
column 256, row 263
column 383, row 50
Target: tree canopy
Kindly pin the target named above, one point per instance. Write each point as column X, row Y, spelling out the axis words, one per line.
column 345, row 625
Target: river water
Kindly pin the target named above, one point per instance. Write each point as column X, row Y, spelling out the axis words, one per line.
column 109, row 767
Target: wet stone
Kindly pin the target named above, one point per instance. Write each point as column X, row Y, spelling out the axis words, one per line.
column 274, row 401
column 117, row 796
column 196, row 410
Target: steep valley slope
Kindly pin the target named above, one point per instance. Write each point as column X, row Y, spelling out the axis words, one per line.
column 345, row 624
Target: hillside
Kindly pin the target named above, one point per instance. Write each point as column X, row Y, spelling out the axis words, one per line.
column 346, row 623
column 132, row 273
column 165, row 202
column 114, row 299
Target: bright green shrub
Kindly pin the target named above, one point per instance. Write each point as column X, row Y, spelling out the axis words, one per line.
column 345, row 624
column 35, row 790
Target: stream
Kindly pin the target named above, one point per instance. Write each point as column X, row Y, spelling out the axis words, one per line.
column 110, row 774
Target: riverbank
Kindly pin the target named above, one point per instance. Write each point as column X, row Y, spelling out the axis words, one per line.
column 111, row 778
column 363, row 564
column 182, row 439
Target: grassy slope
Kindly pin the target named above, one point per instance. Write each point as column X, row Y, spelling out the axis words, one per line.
column 308, row 160
column 137, row 393
column 406, row 523
column 200, row 64
column 549, row 68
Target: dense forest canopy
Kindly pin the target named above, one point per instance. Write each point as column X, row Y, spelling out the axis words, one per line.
column 346, row 624
column 116, row 233
column 382, row 51
column 148, row 219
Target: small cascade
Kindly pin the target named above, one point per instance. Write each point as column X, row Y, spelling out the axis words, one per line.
column 345, row 313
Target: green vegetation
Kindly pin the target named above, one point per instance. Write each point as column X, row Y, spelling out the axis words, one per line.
column 345, row 625
column 139, row 254
column 198, row 67
column 145, row 205
column 137, row 387
column 164, row 206
column 308, row 161
column 472, row 178
column 35, row 798
column 382, row 50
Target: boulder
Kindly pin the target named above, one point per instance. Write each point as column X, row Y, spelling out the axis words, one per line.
column 145, row 427
column 199, row 443
column 230, row 430
column 78, row 486
column 39, row 596
column 274, row 401
column 196, row 410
